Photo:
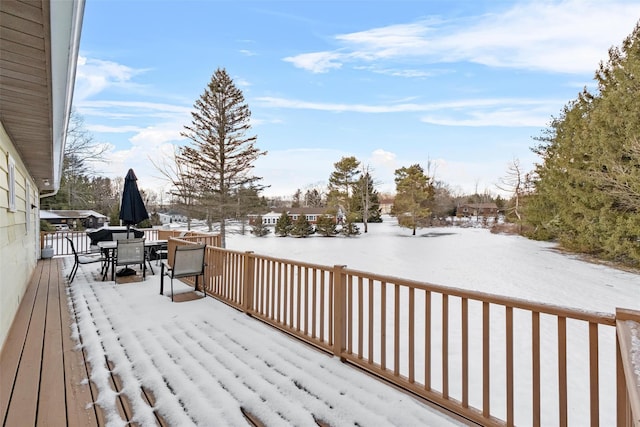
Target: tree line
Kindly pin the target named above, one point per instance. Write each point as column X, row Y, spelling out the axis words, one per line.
column 586, row 191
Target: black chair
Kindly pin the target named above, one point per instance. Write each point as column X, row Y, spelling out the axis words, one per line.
column 188, row 260
column 84, row 258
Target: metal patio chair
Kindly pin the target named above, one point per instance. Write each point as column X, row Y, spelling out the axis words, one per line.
column 129, row 252
column 83, row 258
column 188, row 260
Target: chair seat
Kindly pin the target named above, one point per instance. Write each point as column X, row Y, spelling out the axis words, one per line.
column 87, row 259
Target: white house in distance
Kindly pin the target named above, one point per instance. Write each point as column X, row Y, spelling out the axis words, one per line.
column 39, row 44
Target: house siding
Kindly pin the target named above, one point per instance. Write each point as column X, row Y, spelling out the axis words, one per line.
column 19, row 230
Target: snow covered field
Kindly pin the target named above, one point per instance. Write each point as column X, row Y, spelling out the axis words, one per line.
column 467, row 258
column 202, row 359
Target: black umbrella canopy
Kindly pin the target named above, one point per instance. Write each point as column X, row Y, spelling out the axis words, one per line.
column 132, row 209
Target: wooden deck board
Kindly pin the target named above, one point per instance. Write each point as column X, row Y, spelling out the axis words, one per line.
column 44, row 373
column 80, row 411
column 52, row 398
column 14, row 346
column 23, row 406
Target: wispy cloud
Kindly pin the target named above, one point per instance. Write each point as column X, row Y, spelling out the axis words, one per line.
column 557, row 36
column 467, row 112
column 94, row 76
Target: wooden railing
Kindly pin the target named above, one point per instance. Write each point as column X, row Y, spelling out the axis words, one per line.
column 628, row 367
column 57, row 240
column 446, row 345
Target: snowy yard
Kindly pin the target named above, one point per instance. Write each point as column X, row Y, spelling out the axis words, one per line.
column 203, row 360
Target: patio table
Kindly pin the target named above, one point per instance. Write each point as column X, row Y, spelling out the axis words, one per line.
column 108, row 248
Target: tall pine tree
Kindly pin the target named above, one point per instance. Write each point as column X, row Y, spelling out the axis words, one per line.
column 222, row 155
column 341, row 183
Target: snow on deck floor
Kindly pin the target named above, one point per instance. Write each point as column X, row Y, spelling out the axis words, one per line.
column 204, row 360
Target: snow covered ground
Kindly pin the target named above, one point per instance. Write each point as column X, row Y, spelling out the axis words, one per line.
column 467, row 258
column 203, row 360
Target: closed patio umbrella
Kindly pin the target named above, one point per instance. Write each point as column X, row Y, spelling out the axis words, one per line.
column 132, row 209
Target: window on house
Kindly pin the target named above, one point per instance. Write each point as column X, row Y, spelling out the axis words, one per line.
column 12, row 183
column 28, row 213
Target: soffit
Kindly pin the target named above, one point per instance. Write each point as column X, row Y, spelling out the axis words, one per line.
column 25, row 84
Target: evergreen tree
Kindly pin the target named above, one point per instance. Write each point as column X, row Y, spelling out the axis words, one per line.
column 259, row 229
column 349, row 228
column 222, row 155
column 313, row 198
column 341, row 183
column 283, row 225
column 414, row 192
column 365, row 202
column 326, row 226
column 296, row 201
column 586, row 189
column 301, row 227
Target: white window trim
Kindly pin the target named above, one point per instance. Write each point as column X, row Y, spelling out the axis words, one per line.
column 12, row 183
column 28, row 210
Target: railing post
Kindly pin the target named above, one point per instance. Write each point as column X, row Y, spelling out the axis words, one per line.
column 248, row 281
column 627, row 388
column 339, row 309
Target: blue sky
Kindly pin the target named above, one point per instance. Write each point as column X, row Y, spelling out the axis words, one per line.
column 463, row 86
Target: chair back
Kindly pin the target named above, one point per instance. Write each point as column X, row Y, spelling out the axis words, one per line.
column 73, row 247
column 130, row 251
column 120, row 235
column 188, row 260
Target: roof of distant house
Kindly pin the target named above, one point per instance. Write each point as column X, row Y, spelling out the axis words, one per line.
column 61, row 214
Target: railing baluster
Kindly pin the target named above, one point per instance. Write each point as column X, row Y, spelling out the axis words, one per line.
column 465, row 352
column 535, row 362
column 427, row 340
column 445, row 346
column 593, row 374
column 412, row 333
column 383, row 325
column 298, row 298
column 486, row 362
column 360, row 316
column 509, row 354
column 396, row 330
column 562, row 371
column 322, row 299
column 371, row 320
column 288, row 295
column 332, row 309
column 314, row 303
column 349, row 319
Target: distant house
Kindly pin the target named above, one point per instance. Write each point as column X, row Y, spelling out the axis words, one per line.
column 271, row 218
column 386, row 204
column 74, row 218
column 171, row 217
column 477, row 209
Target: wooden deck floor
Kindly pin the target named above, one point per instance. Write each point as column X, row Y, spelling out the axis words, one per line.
column 44, row 375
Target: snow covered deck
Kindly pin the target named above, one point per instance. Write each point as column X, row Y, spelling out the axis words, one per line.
column 153, row 362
